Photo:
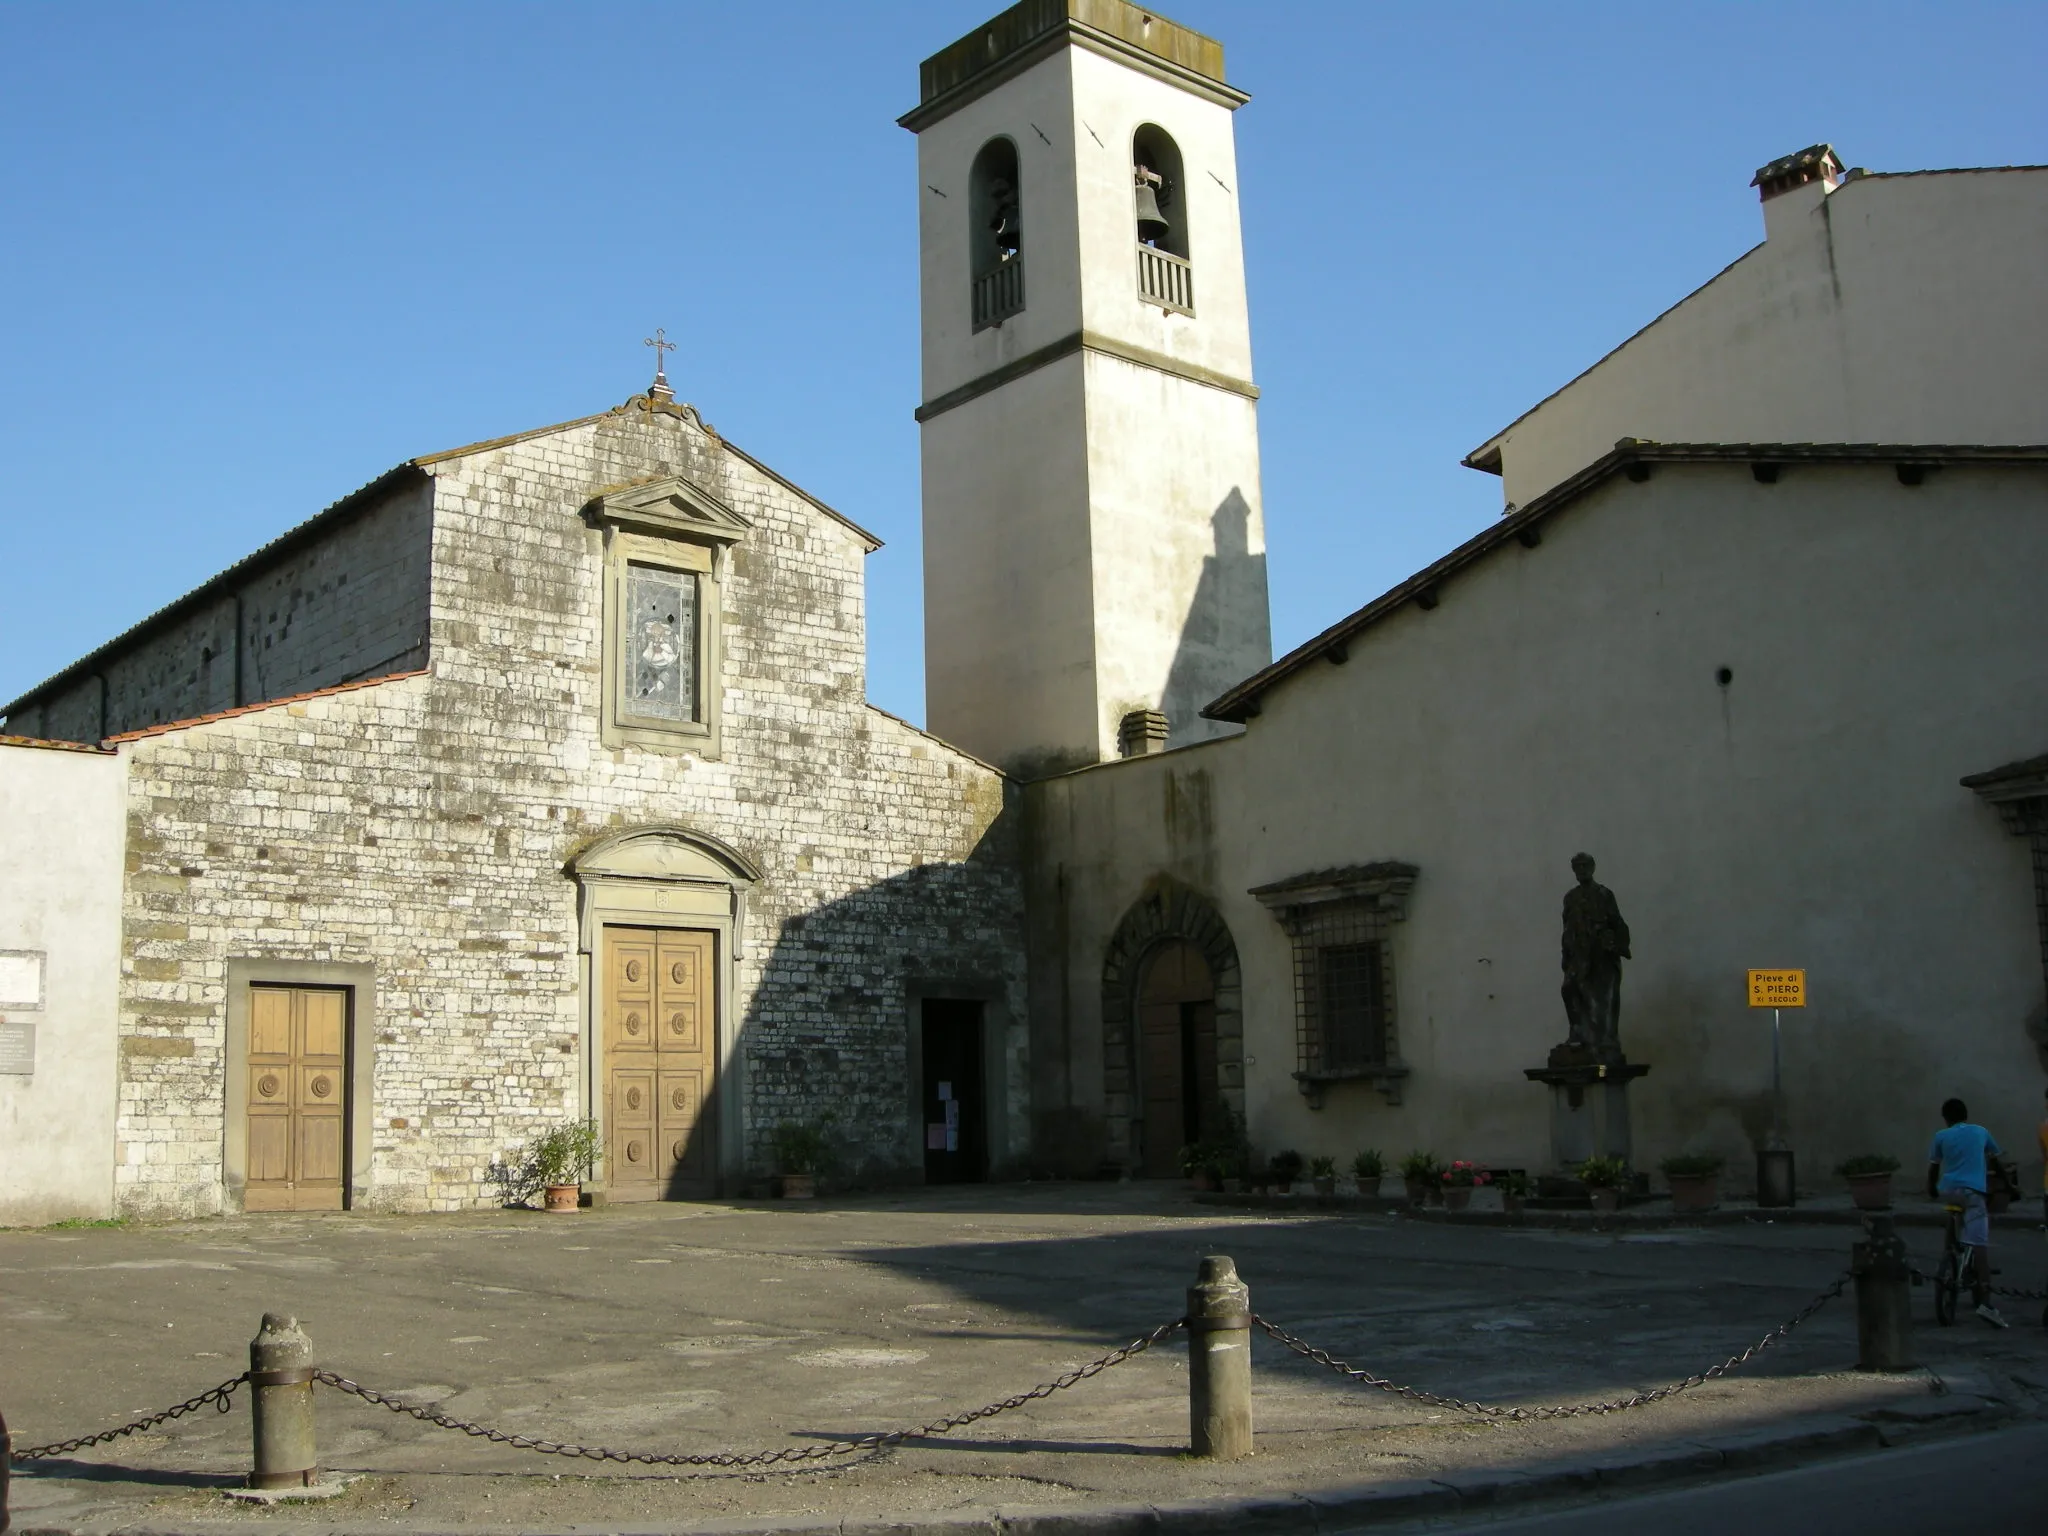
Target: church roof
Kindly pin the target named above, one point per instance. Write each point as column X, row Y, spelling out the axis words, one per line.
column 417, row 470
column 1632, row 456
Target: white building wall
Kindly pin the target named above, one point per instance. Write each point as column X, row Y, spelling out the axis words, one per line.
column 1903, row 308
column 61, row 845
column 1884, row 641
column 1094, row 535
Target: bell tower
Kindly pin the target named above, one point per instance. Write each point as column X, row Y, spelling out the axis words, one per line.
column 1093, row 542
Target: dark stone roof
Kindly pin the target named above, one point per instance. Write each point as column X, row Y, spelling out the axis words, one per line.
column 1807, row 159
column 1349, row 874
column 2028, row 776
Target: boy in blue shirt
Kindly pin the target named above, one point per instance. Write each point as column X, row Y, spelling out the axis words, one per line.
column 1958, row 1162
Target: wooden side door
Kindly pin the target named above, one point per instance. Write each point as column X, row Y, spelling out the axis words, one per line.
column 1177, row 1045
column 660, row 1044
column 298, row 1099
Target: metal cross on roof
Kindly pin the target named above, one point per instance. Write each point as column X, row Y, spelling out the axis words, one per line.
column 660, row 342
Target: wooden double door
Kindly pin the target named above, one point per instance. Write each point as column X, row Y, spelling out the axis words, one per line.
column 660, row 1063
column 298, row 1099
column 1177, row 1046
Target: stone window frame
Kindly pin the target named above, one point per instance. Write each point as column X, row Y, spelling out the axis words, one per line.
column 675, row 525
column 1359, row 904
column 359, row 982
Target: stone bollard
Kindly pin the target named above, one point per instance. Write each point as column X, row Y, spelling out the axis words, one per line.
column 1884, row 1300
column 281, row 1384
column 1219, row 1320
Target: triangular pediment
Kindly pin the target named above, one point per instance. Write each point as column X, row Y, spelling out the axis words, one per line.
column 670, row 504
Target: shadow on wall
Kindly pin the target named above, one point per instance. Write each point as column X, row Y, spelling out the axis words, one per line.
column 833, row 1026
column 1228, row 632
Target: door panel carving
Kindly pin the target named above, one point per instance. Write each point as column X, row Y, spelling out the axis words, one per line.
column 659, row 1066
column 298, row 1099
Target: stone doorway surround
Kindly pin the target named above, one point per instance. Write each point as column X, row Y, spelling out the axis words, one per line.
column 359, row 983
column 666, row 877
column 1166, row 912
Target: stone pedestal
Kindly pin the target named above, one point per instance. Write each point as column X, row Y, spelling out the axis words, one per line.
column 1588, row 1106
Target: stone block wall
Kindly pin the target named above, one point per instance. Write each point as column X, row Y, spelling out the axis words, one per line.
column 350, row 603
column 424, row 825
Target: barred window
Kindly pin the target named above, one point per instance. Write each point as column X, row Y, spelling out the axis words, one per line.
column 1341, row 922
column 1348, row 1011
column 661, row 643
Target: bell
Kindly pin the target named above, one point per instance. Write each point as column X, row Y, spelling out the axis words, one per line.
column 1152, row 223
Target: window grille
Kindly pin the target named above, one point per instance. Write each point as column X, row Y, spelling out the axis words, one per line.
column 661, row 643
column 1166, row 280
column 999, row 294
column 1341, row 923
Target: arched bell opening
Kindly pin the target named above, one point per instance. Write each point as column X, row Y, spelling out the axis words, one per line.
column 1158, row 191
column 995, row 233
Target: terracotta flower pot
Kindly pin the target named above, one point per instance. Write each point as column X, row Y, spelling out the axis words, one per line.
column 1871, row 1191
column 1202, row 1183
column 1457, row 1196
column 1327, row 1185
column 562, row 1197
column 799, row 1186
column 1695, row 1192
column 1418, row 1190
column 1605, row 1198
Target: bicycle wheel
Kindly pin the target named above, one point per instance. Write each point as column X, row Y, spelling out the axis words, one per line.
column 1947, row 1285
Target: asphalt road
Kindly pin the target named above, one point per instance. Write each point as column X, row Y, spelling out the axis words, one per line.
column 1981, row 1485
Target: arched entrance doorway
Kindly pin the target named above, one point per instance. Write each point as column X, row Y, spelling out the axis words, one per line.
column 1177, row 1050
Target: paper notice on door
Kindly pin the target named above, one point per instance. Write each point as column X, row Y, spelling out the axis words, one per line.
column 952, row 1125
column 945, row 1093
column 935, row 1137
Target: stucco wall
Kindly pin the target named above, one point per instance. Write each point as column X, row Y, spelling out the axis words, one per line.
column 60, row 902
column 424, row 826
column 351, row 604
column 1883, row 641
column 1897, row 309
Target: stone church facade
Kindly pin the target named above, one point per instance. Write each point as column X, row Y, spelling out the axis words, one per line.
column 536, row 780
column 443, row 851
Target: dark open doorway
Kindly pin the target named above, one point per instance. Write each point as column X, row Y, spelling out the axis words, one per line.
column 1177, row 1044
column 955, row 1118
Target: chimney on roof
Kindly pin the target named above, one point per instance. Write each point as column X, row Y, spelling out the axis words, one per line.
column 1793, row 187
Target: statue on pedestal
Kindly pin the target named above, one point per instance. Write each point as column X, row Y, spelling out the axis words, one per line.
column 1595, row 943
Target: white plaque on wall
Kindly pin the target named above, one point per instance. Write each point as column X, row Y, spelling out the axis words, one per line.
column 17, row 1047
column 21, row 978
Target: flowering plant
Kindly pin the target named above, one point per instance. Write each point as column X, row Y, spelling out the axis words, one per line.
column 1464, row 1175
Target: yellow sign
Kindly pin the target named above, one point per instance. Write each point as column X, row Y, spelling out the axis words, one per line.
column 1777, row 989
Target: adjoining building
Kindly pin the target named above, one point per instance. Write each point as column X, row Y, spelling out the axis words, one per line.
column 536, row 780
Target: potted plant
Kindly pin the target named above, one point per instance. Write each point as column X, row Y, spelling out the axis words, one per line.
column 1695, row 1179
column 1198, row 1161
column 1514, row 1191
column 1286, row 1168
column 1459, row 1180
column 1604, row 1178
column 801, row 1153
column 1870, row 1179
column 1419, row 1172
column 1367, row 1168
column 1323, row 1172
column 559, row 1160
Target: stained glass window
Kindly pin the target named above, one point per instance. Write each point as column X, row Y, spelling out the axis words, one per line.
column 661, row 643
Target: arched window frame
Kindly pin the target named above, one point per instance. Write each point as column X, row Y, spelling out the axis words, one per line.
column 1165, row 267
column 995, row 252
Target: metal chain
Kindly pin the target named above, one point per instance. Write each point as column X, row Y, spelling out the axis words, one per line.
column 1996, row 1290
column 218, row 1396
column 1561, row 1411
column 753, row 1458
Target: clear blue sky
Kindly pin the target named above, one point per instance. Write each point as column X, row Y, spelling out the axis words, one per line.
column 253, row 255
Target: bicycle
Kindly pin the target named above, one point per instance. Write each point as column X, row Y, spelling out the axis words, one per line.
column 1948, row 1274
